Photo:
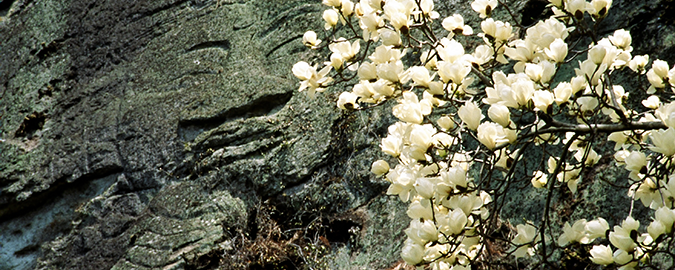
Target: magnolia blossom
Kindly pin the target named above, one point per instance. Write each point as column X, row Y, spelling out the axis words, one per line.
column 398, row 13
column 491, row 135
column 331, row 18
column 601, row 255
column 389, row 37
column 542, row 100
column 596, row 229
column 310, row 40
column 500, row 114
column 470, row 114
column 666, row 113
column 370, row 22
column 410, row 109
column 539, row 179
column 453, row 72
column 638, row 63
column 347, row 101
column 450, row 50
column 526, row 235
column 621, row 236
column 311, row 79
column 455, row 25
column 453, row 223
column 484, row 7
column 562, row 92
column 652, row 102
column 573, row 233
column 446, row 123
column 422, row 232
column 577, row 8
column 557, row 51
column 412, row 252
column 599, row 8
column 379, row 167
column 621, row 38
column 664, row 141
column 497, row 30
column 343, row 51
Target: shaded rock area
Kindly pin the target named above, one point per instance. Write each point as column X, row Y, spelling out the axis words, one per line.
column 170, row 134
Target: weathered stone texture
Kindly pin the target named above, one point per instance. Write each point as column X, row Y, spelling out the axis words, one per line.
column 170, row 134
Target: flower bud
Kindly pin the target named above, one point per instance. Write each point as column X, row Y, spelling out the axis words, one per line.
column 379, row 167
column 500, row 114
column 471, row 115
column 446, row 123
column 331, row 17
column 597, row 54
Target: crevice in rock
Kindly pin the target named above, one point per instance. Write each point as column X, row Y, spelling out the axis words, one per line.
column 189, row 129
column 5, row 6
column 292, row 39
column 10, row 209
column 534, row 11
column 31, row 124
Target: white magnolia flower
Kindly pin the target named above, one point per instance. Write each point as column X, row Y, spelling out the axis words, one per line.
column 310, row 40
column 526, row 235
column 621, row 38
column 638, row 63
column 596, row 229
column 453, row 223
column 311, row 79
column 601, row 255
column 347, row 101
column 621, row 236
column 455, row 25
column 446, row 123
column 453, row 72
column 577, row 7
column 500, row 114
column 379, row 167
column 491, row 135
column 597, row 54
column 370, row 22
column 410, row 109
column 562, row 92
column 389, row 37
column 484, row 7
column 557, row 51
column 470, row 114
column 331, row 17
column 572, row 233
column 343, row 51
column 652, row 102
column 412, row 252
column 497, row 30
column 422, row 232
column 599, row 8
column 542, row 100
column 663, row 141
column 539, row 179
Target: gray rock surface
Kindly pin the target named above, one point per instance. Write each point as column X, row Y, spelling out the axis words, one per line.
column 170, row 134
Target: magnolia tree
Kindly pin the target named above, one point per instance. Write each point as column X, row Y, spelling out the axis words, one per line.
column 467, row 117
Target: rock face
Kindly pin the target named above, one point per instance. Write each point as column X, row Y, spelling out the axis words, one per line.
column 170, row 134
